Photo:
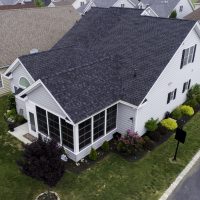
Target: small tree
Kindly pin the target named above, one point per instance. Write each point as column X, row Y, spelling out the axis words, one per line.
column 173, row 14
column 42, row 160
column 39, row 3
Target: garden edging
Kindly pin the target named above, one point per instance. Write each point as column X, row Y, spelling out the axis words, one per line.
column 180, row 177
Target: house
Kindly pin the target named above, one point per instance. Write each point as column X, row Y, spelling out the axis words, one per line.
column 197, row 4
column 55, row 3
column 113, row 71
column 195, row 15
column 25, row 29
column 84, row 6
column 163, row 8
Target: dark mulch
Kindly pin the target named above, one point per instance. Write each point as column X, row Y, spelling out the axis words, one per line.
column 85, row 163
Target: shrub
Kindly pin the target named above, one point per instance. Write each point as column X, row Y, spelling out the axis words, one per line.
column 173, row 14
column 105, row 146
column 121, row 147
column 187, row 110
column 39, row 3
column 93, row 154
column 148, row 143
column 151, row 125
column 11, row 102
column 193, row 92
column 176, row 114
column 155, row 136
column 198, row 98
column 170, row 124
column 192, row 102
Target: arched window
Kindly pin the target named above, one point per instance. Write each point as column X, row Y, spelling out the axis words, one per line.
column 24, row 83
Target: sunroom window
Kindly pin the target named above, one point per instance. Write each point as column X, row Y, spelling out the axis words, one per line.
column 111, row 118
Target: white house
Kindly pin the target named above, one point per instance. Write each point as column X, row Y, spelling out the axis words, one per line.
column 113, row 71
column 84, row 6
column 163, row 8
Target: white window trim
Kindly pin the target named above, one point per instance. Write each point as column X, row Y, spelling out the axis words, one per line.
column 21, row 86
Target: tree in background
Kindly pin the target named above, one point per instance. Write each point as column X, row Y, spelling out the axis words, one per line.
column 173, row 14
column 39, row 3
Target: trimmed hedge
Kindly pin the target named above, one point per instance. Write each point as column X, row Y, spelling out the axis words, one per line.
column 187, row 110
column 170, row 124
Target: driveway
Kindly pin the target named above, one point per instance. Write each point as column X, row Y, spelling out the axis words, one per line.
column 189, row 188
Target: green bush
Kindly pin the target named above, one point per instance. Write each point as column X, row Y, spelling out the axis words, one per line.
column 169, row 123
column 11, row 102
column 105, row 146
column 151, row 125
column 198, row 98
column 93, row 155
column 192, row 102
column 39, row 3
column 173, row 14
column 121, row 147
column 176, row 114
column 193, row 92
column 187, row 110
column 148, row 143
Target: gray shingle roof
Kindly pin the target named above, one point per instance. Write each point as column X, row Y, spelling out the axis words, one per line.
column 109, row 55
column 48, row 25
column 163, row 8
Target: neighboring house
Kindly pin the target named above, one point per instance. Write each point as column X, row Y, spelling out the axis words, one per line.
column 195, row 15
column 113, row 71
column 197, row 4
column 84, row 6
column 164, row 8
column 12, row 2
column 25, row 29
column 55, row 3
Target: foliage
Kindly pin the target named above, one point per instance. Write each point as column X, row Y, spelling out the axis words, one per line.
column 148, row 143
column 130, row 143
column 42, row 160
column 39, row 3
column 187, row 110
column 155, row 136
column 93, row 155
column 105, row 146
column 151, row 125
column 192, row 102
column 193, row 92
column 11, row 102
column 177, row 114
column 169, row 124
column 11, row 115
column 173, row 14
column 198, row 98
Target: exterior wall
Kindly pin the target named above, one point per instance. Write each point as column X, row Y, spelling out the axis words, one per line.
column 126, row 3
column 42, row 98
column 19, row 72
column 5, row 89
column 187, row 9
column 21, row 106
column 149, row 12
column 123, row 119
column 77, row 3
column 171, row 78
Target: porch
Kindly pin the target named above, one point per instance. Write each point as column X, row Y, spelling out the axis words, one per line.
column 22, row 133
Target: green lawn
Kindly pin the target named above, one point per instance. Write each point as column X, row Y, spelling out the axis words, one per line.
column 112, row 178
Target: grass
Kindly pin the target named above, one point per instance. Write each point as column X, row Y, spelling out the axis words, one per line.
column 111, row 178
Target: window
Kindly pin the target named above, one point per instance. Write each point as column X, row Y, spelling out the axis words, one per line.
column 54, row 130
column 82, row 3
column 186, row 86
column 1, row 83
column 171, row 96
column 24, row 83
column 111, row 118
column 188, row 56
column 84, row 133
column 67, row 134
column 99, row 125
column 122, row 5
column 181, row 9
column 42, row 120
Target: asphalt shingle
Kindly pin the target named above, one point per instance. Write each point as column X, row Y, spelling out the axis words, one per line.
column 109, row 55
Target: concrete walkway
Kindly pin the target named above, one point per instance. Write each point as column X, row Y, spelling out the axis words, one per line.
column 19, row 133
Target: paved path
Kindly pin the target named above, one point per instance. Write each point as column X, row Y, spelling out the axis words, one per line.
column 189, row 187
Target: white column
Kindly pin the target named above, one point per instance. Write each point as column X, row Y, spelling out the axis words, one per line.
column 105, row 122
column 61, row 141
column 76, row 139
column 92, row 130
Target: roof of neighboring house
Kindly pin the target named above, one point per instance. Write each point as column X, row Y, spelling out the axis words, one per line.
column 46, row 2
column 63, row 2
column 9, row 2
column 102, row 4
column 195, row 15
column 26, row 29
column 101, row 59
column 163, row 8
column 17, row 6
